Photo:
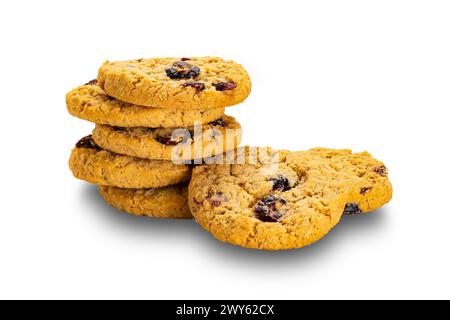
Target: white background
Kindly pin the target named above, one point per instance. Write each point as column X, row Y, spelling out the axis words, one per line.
column 366, row 75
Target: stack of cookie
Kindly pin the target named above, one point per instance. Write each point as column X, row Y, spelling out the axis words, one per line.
column 154, row 119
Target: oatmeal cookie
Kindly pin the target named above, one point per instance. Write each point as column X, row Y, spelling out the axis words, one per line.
column 91, row 163
column 285, row 200
column 180, row 83
column 90, row 102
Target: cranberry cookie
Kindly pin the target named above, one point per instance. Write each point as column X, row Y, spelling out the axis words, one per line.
column 165, row 202
column 90, row 102
column 176, row 144
column 180, row 83
column 285, row 200
column 91, row 163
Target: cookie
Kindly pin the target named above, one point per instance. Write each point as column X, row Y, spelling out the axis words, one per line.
column 181, row 83
column 90, row 163
column 89, row 102
column 165, row 202
column 285, row 200
column 171, row 144
column 368, row 177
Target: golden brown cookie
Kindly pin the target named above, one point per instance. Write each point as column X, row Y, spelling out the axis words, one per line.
column 181, row 83
column 368, row 177
column 285, row 199
column 171, row 144
column 165, row 202
column 91, row 163
column 89, row 102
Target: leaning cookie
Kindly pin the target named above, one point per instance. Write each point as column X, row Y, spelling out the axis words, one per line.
column 165, row 202
column 181, row 83
column 89, row 102
column 289, row 200
column 180, row 144
column 370, row 187
column 90, row 163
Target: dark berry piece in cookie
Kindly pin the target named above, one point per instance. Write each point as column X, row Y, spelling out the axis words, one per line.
column 381, row 170
column 268, row 209
column 87, row 143
column 223, row 86
column 216, row 198
column 352, row 209
column 280, row 183
column 198, row 86
column 166, row 141
column 119, row 129
column 364, row 190
column 91, row 83
column 176, row 137
column 219, row 122
column 182, row 70
column 185, row 59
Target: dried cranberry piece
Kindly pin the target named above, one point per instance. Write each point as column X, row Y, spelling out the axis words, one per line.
column 182, row 70
column 266, row 209
column 280, row 183
column 91, row 83
column 118, row 129
column 185, row 59
column 216, row 199
column 219, row 122
column 352, row 209
column 381, row 170
column 222, row 86
column 364, row 190
column 87, row 143
column 166, row 141
column 177, row 136
column 198, row 86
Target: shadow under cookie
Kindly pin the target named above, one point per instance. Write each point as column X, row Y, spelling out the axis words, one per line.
column 169, row 230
